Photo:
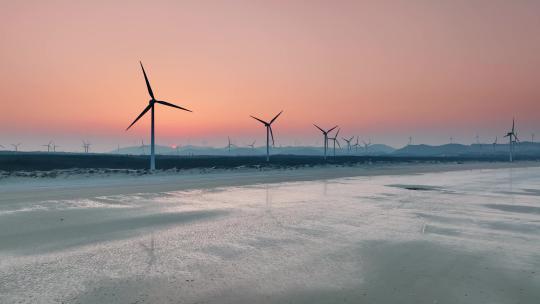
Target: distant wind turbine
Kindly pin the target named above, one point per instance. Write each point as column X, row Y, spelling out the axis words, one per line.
column 510, row 135
column 366, row 145
column 48, row 146
column 142, row 146
column 336, row 141
column 229, row 145
column 348, row 141
column 150, row 106
column 16, row 147
column 54, row 146
column 86, row 146
column 269, row 133
column 410, row 141
column 252, row 145
column 325, row 134
column 495, row 143
column 451, row 140
column 532, row 138
column 356, row 144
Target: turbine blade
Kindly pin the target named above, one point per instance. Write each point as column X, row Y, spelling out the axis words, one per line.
column 331, row 129
column 147, row 82
column 273, row 119
column 172, row 105
column 262, row 121
column 319, row 128
column 140, row 115
column 272, row 135
column 337, row 142
column 337, row 132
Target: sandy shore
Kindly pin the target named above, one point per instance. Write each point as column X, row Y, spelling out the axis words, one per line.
column 457, row 233
column 84, row 185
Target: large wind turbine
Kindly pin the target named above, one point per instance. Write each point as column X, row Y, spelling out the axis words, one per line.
column 269, row 133
column 325, row 134
column 510, row 135
column 335, row 139
column 150, row 106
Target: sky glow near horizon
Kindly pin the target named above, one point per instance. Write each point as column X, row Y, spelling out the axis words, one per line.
column 381, row 69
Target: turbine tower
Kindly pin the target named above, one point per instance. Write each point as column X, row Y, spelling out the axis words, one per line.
column 335, row 139
column 16, row 147
column 532, row 138
column 150, row 106
column 410, row 141
column 325, row 134
column 495, row 143
column 510, row 135
column 269, row 133
column 54, row 146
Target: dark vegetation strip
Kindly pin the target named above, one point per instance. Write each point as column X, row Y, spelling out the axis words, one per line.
column 43, row 162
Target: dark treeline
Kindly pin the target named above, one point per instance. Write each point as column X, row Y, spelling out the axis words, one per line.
column 44, row 162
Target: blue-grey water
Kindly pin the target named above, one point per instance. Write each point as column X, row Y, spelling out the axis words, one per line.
column 454, row 237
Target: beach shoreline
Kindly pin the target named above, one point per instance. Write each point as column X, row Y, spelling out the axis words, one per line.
column 68, row 184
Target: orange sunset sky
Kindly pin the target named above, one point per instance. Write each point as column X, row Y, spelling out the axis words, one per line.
column 385, row 69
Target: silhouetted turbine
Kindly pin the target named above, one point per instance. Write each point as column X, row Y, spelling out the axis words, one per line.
column 325, row 134
column 269, row 133
column 510, row 135
column 150, row 106
column 348, row 141
column 335, row 139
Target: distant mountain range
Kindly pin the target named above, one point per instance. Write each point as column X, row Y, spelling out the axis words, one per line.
column 523, row 148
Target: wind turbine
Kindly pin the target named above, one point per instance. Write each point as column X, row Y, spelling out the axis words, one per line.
column 86, row 146
column 229, row 145
column 335, row 139
column 325, row 134
column 142, row 146
column 348, row 141
column 410, row 141
column 48, row 146
column 150, row 106
column 54, row 146
column 495, row 143
column 366, row 145
column 510, row 135
column 532, row 138
column 16, row 147
column 356, row 144
column 252, row 145
column 269, row 133
column 451, row 140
